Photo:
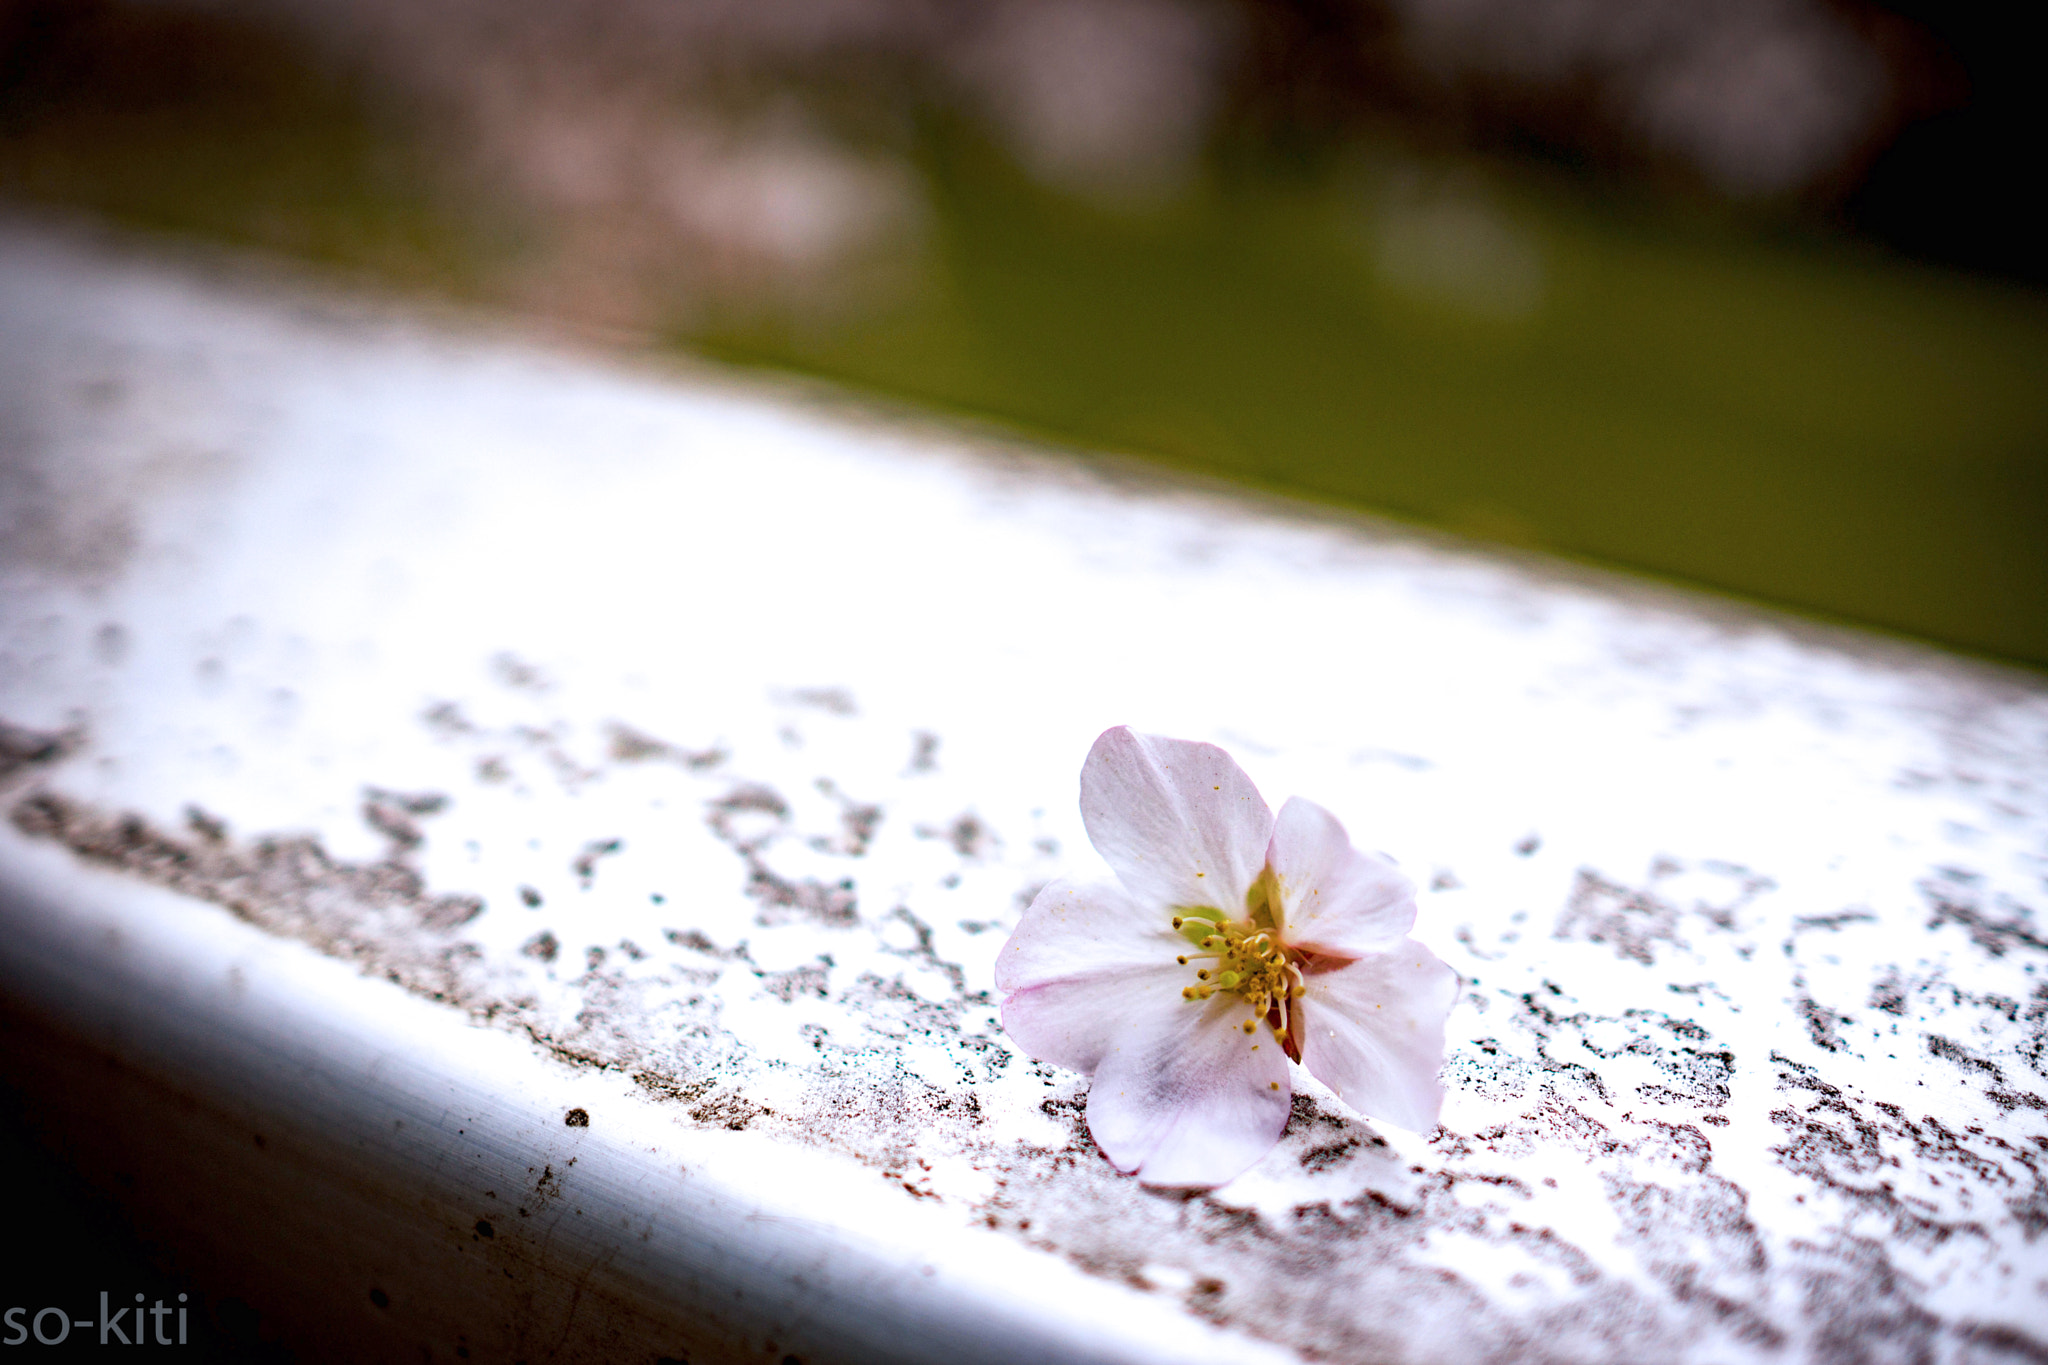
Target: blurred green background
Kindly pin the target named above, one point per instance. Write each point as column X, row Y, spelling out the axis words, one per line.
column 1522, row 326
column 1817, row 428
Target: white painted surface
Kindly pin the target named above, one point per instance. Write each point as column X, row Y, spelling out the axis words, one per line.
column 1751, row 1062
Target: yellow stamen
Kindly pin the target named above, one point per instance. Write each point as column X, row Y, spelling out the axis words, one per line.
column 1250, row 959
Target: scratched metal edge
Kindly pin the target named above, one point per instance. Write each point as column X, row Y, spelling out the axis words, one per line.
column 361, row 1165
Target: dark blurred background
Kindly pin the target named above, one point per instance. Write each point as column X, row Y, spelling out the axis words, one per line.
column 1747, row 294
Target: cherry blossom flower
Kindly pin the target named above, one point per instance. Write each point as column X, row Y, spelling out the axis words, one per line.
column 1230, row 944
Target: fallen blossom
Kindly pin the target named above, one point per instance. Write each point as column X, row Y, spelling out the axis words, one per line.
column 1231, row 944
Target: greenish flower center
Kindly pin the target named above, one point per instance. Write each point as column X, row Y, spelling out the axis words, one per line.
column 1247, row 957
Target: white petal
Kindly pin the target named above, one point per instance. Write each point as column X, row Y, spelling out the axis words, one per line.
column 1179, row 821
column 1074, row 929
column 1335, row 899
column 1374, row 1033
column 1076, row 1021
column 1078, row 954
column 1183, row 1096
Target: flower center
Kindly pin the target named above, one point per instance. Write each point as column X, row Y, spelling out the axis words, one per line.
column 1247, row 958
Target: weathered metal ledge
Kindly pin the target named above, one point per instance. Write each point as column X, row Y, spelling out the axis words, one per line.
column 505, row 847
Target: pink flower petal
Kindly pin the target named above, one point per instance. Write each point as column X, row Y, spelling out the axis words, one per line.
column 1182, row 1095
column 1179, row 822
column 1335, row 899
column 1080, row 954
column 1076, row 1021
column 1374, row 1033
column 1076, row 929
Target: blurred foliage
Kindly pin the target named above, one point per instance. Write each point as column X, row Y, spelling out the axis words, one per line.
column 1515, row 353
column 1803, row 423
column 198, row 121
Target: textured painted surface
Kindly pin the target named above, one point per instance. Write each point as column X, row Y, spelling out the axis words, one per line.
column 715, row 738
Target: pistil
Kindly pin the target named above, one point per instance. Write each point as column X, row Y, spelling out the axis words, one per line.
column 1251, row 961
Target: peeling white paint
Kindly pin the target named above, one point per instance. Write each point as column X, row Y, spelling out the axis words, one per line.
column 1751, row 1062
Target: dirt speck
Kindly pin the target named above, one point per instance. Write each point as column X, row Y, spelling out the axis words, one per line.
column 22, row 748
